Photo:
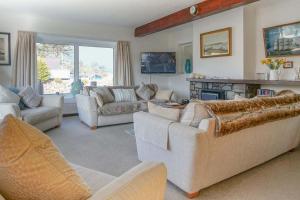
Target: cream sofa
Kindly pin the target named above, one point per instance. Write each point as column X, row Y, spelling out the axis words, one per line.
column 48, row 115
column 111, row 113
column 197, row 159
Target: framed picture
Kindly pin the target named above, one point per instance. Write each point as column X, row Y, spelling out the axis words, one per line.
column 288, row 64
column 5, row 48
column 216, row 43
column 283, row 40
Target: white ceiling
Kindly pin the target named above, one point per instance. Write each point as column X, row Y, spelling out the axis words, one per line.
column 130, row 13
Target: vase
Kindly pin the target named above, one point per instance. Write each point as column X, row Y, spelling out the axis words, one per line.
column 188, row 66
column 274, row 75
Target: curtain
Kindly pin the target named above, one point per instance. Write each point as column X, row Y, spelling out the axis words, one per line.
column 124, row 71
column 24, row 66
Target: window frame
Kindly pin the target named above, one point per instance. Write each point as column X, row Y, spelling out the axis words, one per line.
column 77, row 42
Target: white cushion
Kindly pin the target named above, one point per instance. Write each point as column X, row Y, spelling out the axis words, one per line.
column 7, row 96
column 193, row 114
column 168, row 113
column 164, row 95
column 30, row 97
column 124, row 95
column 40, row 114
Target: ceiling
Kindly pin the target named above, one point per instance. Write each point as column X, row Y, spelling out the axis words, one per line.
column 131, row 13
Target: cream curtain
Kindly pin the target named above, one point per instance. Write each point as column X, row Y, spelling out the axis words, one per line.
column 24, row 65
column 124, row 71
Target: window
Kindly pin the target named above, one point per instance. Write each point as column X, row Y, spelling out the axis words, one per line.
column 55, row 67
column 61, row 60
column 96, row 64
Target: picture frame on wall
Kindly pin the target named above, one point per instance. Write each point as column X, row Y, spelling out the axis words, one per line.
column 216, row 43
column 5, row 57
column 282, row 40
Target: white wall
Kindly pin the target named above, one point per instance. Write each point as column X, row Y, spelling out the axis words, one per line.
column 229, row 66
column 13, row 23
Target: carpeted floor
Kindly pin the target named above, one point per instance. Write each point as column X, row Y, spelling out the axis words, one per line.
column 112, row 150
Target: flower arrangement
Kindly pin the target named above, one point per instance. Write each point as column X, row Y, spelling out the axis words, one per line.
column 273, row 64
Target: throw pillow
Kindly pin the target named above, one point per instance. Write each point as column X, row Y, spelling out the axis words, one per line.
column 22, row 105
column 168, row 113
column 164, row 95
column 98, row 98
column 239, row 98
column 7, row 96
column 144, row 92
column 105, row 94
column 33, row 168
column 31, row 98
column 124, row 95
column 193, row 114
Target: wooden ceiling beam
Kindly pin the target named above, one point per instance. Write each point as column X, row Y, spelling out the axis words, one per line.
column 205, row 8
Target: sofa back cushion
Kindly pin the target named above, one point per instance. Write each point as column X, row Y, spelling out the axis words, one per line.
column 7, row 96
column 193, row 114
column 124, row 95
column 31, row 167
column 105, row 93
column 30, row 97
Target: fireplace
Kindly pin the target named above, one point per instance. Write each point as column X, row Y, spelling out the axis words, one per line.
column 212, row 94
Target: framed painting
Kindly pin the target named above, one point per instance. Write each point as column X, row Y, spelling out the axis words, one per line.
column 216, row 43
column 282, row 40
column 5, row 49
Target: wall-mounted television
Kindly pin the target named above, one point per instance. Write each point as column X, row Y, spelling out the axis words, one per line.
column 158, row 62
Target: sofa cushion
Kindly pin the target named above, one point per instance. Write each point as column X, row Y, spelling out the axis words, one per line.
column 168, row 113
column 124, row 95
column 144, row 92
column 31, row 167
column 94, row 179
column 30, row 97
column 22, row 105
column 105, row 94
column 7, row 96
column 36, row 115
column 164, row 95
column 117, row 108
column 193, row 113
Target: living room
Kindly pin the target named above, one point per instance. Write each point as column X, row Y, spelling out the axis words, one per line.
column 114, row 37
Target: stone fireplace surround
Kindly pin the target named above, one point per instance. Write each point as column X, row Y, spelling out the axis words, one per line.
column 230, row 87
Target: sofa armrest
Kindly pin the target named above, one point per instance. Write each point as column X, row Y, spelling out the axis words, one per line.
column 146, row 181
column 9, row 108
column 87, row 109
column 53, row 101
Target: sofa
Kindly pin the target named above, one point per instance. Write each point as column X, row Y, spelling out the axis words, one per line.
column 93, row 115
column 197, row 158
column 47, row 116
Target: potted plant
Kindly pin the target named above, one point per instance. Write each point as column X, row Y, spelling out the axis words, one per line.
column 274, row 65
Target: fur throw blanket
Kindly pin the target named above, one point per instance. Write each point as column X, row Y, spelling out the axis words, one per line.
column 235, row 115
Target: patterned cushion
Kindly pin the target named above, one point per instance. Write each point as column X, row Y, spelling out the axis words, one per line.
column 98, row 98
column 124, row 95
column 7, row 96
column 33, row 168
column 168, row 113
column 120, row 108
column 105, row 94
column 30, row 97
column 193, row 113
column 164, row 95
column 145, row 92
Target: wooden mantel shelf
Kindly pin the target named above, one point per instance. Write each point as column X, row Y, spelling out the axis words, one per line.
column 248, row 81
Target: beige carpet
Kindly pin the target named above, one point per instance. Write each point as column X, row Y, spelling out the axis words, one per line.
column 112, row 150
